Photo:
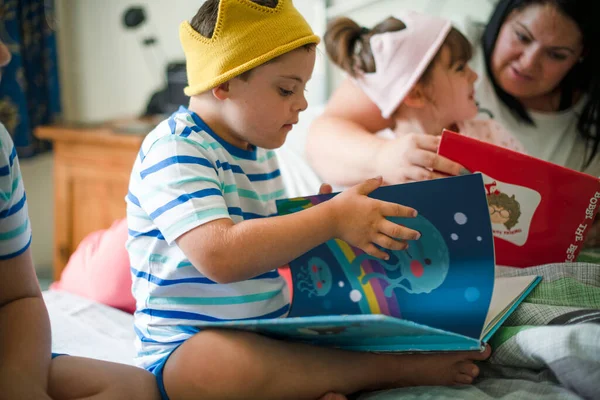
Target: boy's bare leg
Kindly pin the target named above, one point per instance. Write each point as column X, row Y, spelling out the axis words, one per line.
column 239, row 365
column 80, row 378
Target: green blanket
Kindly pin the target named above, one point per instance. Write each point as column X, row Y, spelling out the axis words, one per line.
column 590, row 255
column 549, row 347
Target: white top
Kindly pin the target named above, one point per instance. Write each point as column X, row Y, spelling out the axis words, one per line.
column 490, row 131
column 486, row 130
column 553, row 138
column 186, row 176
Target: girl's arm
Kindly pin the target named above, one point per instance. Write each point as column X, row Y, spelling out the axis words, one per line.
column 343, row 139
column 344, row 150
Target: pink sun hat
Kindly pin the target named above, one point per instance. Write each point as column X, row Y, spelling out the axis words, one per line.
column 401, row 57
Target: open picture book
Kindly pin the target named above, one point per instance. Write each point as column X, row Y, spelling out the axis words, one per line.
column 440, row 294
column 540, row 212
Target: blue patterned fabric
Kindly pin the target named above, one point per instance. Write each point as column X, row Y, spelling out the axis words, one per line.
column 29, row 89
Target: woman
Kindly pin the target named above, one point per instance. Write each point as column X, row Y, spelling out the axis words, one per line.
column 535, row 61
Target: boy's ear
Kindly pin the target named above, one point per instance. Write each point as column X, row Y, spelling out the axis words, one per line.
column 222, row 91
column 416, row 97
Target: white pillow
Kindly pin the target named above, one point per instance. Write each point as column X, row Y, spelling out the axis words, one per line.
column 298, row 177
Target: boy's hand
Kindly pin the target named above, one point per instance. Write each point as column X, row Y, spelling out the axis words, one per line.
column 360, row 220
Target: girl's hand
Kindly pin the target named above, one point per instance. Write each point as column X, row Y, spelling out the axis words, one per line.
column 413, row 157
column 361, row 220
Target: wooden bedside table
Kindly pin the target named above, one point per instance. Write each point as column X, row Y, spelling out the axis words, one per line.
column 92, row 164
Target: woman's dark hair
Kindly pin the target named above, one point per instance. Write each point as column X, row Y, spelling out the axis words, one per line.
column 343, row 35
column 584, row 76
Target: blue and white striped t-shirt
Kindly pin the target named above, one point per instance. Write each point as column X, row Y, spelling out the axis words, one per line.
column 15, row 230
column 186, row 176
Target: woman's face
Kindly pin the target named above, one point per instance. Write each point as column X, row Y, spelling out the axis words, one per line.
column 536, row 48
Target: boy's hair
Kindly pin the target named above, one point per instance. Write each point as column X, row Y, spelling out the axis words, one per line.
column 343, row 36
column 205, row 20
column 226, row 39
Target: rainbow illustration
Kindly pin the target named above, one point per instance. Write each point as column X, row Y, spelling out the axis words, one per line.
column 297, row 204
column 373, row 299
column 357, row 265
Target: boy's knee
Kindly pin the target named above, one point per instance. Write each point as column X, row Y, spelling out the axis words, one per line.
column 217, row 364
column 235, row 356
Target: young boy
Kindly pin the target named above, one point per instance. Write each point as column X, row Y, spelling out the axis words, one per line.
column 27, row 370
column 204, row 239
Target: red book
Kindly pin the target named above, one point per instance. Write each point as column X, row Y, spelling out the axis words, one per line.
column 540, row 212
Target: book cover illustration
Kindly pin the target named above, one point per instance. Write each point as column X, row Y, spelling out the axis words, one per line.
column 540, row 212
column 443, row 280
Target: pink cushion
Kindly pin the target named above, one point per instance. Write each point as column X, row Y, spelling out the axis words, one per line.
column 287, row 275
column 99, row 269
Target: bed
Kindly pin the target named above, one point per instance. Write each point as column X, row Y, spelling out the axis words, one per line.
column 550, row 347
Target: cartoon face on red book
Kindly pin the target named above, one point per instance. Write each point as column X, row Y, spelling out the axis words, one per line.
column 511, row 208
column 540, row 212
column 504, row 209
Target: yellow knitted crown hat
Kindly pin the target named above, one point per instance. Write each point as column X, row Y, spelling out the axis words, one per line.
column 246, row 35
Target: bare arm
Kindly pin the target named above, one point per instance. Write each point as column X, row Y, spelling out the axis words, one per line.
column 343, row 138
column 24, row 331
column 344, row 150
column 227, row 252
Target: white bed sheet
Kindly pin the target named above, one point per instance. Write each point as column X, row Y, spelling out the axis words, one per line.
column 81, row 327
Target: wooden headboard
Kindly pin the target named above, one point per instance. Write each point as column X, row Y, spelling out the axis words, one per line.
column 91, row 176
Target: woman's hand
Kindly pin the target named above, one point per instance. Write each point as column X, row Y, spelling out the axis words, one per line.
column 592, row 240
column 413, row 157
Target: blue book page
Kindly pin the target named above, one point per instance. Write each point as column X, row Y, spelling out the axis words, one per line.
column 443, row 280
column 356, row 332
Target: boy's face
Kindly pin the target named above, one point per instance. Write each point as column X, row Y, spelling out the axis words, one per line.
column 262, row 109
